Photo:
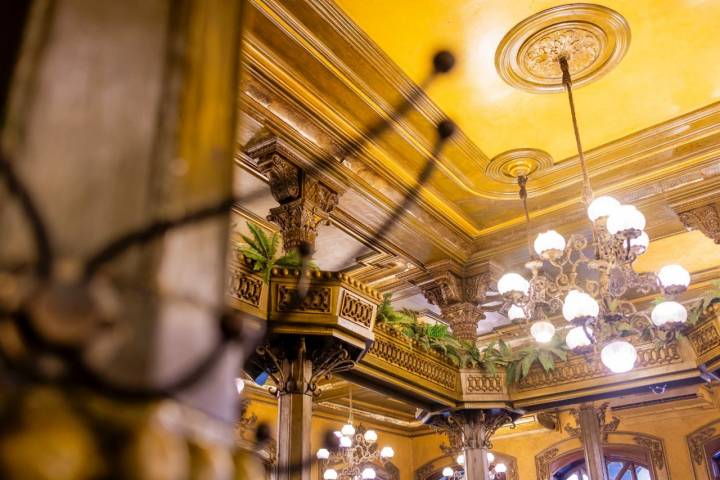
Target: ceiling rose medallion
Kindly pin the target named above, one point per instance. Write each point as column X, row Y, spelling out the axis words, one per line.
column 593, row 37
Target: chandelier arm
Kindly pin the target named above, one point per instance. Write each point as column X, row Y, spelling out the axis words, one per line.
column 567, row 82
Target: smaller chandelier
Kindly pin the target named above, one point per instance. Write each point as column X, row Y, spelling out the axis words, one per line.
column 356, row 451
column 586, row 281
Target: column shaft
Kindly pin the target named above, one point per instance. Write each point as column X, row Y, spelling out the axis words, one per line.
column 294, row 419
column 592, row 439
column 476, row 464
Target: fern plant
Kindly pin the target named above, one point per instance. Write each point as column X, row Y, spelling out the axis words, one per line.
column 263, row 251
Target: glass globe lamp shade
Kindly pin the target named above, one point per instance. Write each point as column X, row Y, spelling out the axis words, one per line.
column 348, row 430
column 338, row 433
column 387, row 452
column 330, row 474
column 323, row 454
column 345, row 441
column 513, row 283
column 549, row 244
column 515, row 313
column 579, row 304
column 674, row 278
column 639, row 245
column 448, row 472
column 602, row 207
column 490, row 457
column 239, row 385
column 668, row 312
column 577, row 338
column 626, row 220
column 542, row 332
column 370, row 436
column 368, row 474
column 500, row 468
column 619, row 356
column 460, row 459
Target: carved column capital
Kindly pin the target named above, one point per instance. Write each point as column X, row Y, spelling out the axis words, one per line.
column 705, row 218
column 472, row 429
column 305, row 202
column 459, row 293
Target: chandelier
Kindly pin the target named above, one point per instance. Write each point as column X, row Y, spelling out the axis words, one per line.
column 496, row 470
column 586, row 280
column 356, row 450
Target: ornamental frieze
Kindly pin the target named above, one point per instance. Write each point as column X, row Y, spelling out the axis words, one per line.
column 704, row 338
column 483, row 383
column 357, row 310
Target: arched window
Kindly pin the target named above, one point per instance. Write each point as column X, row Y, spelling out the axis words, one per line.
column 622, row 464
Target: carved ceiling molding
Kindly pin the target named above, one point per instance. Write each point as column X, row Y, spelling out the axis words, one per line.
column 459, row 293
column 705, row 218
column 305, row 202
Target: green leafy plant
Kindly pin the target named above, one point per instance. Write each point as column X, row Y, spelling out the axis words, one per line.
column 263, row 251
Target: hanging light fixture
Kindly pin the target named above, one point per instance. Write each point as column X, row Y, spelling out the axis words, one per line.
column 589, row 290
column 357, row 450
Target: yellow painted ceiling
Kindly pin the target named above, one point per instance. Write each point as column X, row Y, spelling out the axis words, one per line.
column 692, row 250
column 672, row 67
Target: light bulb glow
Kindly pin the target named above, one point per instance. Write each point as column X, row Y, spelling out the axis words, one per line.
column 338, row 433
column 387, row 452
column 579, row 304
column 639, row 245
column 550, row 241
column 447, row 472
column 515, row 312
column 371, row 436
column 619, row 356
column 239, row 385
column 625, row 218
column 602, row 207
column 576, row 338
column 490, row 457
column 348, row 430
column 460, row 459
column 323, row 454
column 368, row 474
column 513, row 282
column 500, row 468
column 542, row 332
column 345, row 442
column 668, row 312
column 330, row 474
column 674, row 276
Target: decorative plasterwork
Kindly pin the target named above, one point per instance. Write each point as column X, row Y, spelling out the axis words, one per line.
column 471, row 429
column 593, row 38
column 508, row 166
column 696, row 443
column 459, row 293
column 305, row 202
column 655, row 448
column 543, row 460
column 704, row 218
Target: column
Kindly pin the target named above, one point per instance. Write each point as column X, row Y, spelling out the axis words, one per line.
column 591, row 433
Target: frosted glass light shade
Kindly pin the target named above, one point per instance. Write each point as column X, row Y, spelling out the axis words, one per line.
column 500, row 468
column 239, row 385
column 348, row 430
column 368, row 474
column 674, row 276
column 490, row 457
column 625, row 218
column 387, row 452
column 549, row 241
column 371, row 436
column 577, row 338
column 668, row 312
column 619, row 356
column 542, row 332
column 323, row 454
column 513, row 282
column 602, row 207
column 460, row 459
column 338, row 433
column 345, row 441
column 330, row 474
column 447, row 472
column 515, row 312
column 640, row 244
column 579, row 304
